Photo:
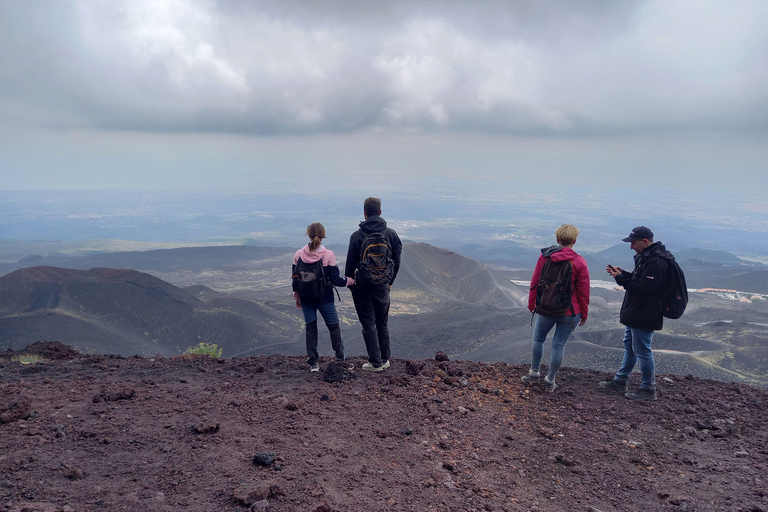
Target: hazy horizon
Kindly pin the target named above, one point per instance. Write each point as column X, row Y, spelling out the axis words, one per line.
column 156, row 218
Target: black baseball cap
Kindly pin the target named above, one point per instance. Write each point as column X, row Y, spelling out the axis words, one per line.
column 639, row 233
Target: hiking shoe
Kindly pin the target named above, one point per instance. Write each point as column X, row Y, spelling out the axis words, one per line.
column 614, row 385
column 549, row 387
column 314, row 367
column 530, row 377
column 369, row 367
column 642, row 394
column 385, row 364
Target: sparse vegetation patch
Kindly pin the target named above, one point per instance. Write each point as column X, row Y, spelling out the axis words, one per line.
column 205, row 349
column 29, row 359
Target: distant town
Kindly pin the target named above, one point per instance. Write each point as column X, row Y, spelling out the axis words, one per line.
column 732, row 294
column 747, row 297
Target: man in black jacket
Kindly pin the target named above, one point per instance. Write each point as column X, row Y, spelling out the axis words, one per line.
column 640, row 311
column 372, row 298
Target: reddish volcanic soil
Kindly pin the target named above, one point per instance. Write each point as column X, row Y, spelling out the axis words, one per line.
column 93, row 433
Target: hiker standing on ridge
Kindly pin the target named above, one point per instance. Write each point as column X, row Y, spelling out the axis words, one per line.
column 315, row 273
column 640, row 311
column 373, row 260
column 559, row 296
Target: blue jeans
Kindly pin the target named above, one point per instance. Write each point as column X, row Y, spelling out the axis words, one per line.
column 327, row 311
column 637, row 347
column 564, row 326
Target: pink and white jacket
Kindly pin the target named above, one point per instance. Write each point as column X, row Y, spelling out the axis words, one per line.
column 330, row 267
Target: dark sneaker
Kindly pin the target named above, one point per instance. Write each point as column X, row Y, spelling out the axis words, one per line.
column 614, row 385
column 369, row 367
column 528, row 377
column 642, row 394
column 314, row 367
column 346, row 363
column 549, row 387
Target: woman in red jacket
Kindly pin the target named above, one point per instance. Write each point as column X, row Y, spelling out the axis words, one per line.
column 576, row 313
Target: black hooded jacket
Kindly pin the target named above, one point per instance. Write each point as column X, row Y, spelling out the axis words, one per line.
column 645, row 288
column 373, row 224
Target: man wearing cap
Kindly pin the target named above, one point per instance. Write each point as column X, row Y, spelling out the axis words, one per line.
column 640, row 311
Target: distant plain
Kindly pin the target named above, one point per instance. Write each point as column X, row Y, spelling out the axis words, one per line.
column 454, row 292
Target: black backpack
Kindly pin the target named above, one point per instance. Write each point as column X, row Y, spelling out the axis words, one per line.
column 676, row 295
column 310, row 281
column 376, row 265
column 555, row 289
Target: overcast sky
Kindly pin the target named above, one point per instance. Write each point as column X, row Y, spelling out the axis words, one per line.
column 166, row 93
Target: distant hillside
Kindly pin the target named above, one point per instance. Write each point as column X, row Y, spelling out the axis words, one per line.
column 440, row 301
column 502, row 252
column 703, row 268
column 453, row 277
column 125, row 311
column 161, row 260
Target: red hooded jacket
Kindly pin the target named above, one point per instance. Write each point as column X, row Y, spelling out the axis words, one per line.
column 580, row 298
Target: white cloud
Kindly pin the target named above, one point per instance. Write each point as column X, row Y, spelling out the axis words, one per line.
column 591, row 85
column 523, row 67
column 678, row 65
column 438, row 75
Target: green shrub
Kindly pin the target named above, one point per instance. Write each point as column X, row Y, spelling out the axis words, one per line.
column 205, row 349
column 29, row 359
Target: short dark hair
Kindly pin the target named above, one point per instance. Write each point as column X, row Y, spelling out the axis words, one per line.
column 372, row 206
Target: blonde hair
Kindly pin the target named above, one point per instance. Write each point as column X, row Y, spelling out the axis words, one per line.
column 316, row 232
column 566, row 234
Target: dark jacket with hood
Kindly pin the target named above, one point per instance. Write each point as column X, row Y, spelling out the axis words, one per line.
column 645, row 288
column 373, row 224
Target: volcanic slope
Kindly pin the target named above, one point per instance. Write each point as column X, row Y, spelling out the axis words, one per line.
column 125, row 311
column 448, row 276
column 438, row 296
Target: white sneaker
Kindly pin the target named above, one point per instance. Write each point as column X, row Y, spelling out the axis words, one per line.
column 369, row 367
column 386, row 364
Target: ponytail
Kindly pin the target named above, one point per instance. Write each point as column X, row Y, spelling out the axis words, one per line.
column 316, row 233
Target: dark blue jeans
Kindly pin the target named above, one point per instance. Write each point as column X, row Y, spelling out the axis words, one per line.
column 327, row 311
column 372, row 305
column 331, row 318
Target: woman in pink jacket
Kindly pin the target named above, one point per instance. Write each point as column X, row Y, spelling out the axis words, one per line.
column 564, row 322
column 311, row 253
